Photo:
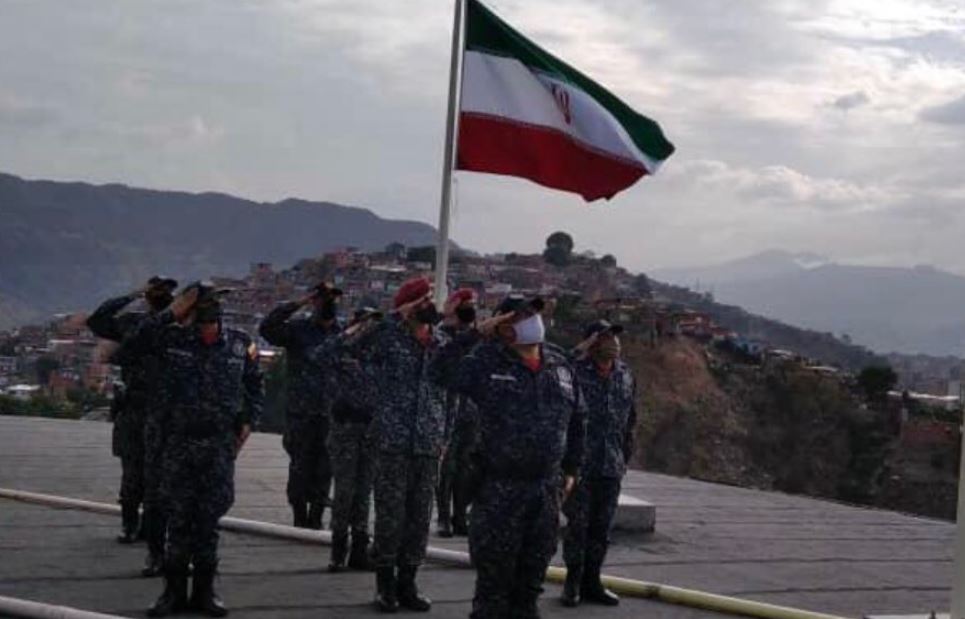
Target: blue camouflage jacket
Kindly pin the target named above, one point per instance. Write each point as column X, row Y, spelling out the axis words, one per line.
column 410, row 413
column 531, row 424
column 310, row 387
column 611, row 418
column 210, row 392
column 140, row 372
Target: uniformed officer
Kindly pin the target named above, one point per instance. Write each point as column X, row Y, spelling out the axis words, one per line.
column 213, row 394
column 409, row 431
column 531, row 433
column 351, row 451
column 310, row 398
column 455, row 473
column 131, row 414
column 609, row 390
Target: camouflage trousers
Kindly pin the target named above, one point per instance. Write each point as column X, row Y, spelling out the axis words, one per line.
column 199, row 488
column 309, row 469
column 127, row 442
column 455, row 479
column 352, row 456
column 512, row 537
column 155, row 507
column 589, row 517
column 404, row 486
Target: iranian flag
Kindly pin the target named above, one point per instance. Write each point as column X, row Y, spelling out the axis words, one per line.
column 526, row 113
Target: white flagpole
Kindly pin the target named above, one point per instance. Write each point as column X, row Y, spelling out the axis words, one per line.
column 449, row 163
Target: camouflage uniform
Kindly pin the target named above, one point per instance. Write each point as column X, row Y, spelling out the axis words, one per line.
column 531, row 432
column 611, row 418
column 310, row 398
column 210, row 393
column 409, row 430
column 132, row 403
column 350, row 446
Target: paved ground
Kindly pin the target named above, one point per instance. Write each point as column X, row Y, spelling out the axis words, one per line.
column 763, row 546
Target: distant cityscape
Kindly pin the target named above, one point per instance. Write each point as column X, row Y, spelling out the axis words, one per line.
column 62, row 356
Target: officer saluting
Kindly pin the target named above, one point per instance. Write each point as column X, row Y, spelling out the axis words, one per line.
column 213, row 394
column 609, row 390
column 310, row 397
column 531, row 433
column 140, row 374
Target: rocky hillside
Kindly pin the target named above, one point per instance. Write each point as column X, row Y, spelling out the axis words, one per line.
column 779, row 427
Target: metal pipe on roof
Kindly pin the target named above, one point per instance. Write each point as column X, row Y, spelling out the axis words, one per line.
column 15, row 607
column 623, row 586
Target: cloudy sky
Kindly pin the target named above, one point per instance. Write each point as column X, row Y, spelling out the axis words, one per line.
column 833, row 126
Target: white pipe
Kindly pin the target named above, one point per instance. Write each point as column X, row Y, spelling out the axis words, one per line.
column 624, row 586
column 15, row 607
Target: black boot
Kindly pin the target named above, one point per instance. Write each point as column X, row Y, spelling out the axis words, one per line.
column 571, row 588
column 408, row 592
column 129, row 521
column 299, row 515
column 315, row 513
column 153, row 565
column 459, row 528
column 175, row 596
column 593, row 589
column 203, row 596
column 339, row 552
column 386, row 599
column 445, row 527
column 359, row 558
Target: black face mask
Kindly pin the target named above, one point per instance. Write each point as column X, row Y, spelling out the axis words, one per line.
column 428, row 315
column 328, row 311
column 158, row 301
column 208, row 313
column 466, row 314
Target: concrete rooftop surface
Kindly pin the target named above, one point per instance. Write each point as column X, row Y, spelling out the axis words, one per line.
column 769, row 547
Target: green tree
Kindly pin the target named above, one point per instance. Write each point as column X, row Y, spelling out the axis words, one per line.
column 559, row 249
column 876, row 381
column 609, row 261
column 425, row 253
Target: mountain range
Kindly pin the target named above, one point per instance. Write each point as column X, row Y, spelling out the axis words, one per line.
column 70, row 245
column 888, row 309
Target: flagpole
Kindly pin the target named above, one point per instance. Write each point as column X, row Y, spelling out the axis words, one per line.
column 448, row 163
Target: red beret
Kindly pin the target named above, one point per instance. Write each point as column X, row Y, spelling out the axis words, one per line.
column 412, row 290
column 462, row 295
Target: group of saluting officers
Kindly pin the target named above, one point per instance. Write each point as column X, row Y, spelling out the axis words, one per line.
column 484, row 415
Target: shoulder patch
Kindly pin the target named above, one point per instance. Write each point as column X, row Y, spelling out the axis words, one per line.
column 238, row 348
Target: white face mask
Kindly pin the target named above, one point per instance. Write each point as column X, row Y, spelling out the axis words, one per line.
column 530, row 330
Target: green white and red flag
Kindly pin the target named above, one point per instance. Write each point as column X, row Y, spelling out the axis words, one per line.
column 526, row 113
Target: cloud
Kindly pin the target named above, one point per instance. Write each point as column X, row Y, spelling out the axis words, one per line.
column 851, row 101
column 951, row 113
column 345, row 100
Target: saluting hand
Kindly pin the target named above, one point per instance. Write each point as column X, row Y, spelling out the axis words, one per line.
column 406, row 310
column 488, row 327
column 587, row 344
column 183, row 303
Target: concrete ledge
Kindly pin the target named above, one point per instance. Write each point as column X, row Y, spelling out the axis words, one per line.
column 635, row 515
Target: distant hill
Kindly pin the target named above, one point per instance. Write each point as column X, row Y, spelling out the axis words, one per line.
column 66, row 246
column 889, row 309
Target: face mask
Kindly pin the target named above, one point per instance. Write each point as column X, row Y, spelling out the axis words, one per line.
column 428, row 315
column 159, row 300
column 530, row 330
column 607, row 351
column 208, row 313
column 327, row 312
column 466, row 314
